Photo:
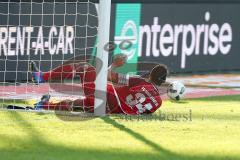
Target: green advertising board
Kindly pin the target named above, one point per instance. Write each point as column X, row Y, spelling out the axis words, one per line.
column 127, row 28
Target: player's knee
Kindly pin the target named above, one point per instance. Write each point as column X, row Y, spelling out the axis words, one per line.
column 89, row 88
column 90, row 76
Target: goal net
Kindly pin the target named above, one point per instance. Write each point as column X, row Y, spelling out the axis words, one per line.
column 49, row 34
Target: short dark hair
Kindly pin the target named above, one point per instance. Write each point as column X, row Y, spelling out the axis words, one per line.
column 158, row 74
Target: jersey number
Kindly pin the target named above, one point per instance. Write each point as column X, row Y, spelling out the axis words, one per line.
column 138, row 101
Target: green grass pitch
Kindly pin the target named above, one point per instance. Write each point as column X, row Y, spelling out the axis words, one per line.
column 200, row 129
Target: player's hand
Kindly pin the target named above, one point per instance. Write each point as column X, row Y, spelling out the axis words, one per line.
column 119, row 60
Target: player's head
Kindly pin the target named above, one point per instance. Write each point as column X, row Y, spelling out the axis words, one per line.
column 158, row 74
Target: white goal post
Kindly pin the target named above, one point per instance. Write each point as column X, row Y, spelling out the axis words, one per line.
column 103, row 38
column 51, row 33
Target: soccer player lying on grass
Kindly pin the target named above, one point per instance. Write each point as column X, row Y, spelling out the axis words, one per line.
column 128, row 95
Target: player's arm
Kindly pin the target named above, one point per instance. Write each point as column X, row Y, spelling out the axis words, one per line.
column 118, row 78
column 122, row 79
column 118, row 61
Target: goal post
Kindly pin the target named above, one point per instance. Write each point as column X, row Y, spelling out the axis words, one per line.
column 103, row 38
column 51, row 33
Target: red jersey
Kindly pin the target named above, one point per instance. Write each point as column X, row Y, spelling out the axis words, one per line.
column 137, row 97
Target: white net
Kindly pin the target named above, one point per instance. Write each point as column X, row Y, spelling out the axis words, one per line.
column 49, row 33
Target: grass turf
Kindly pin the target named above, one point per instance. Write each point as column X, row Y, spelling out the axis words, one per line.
column 206, row 128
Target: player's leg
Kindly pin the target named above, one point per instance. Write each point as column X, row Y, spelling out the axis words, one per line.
column 87, row 74
column 37, row 75
column 66, row 105
column 67, row 71
column 85, row 105
column 46, row 105
column 60, row 72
